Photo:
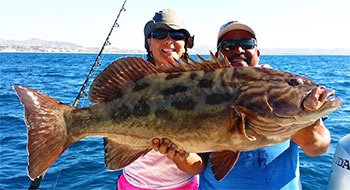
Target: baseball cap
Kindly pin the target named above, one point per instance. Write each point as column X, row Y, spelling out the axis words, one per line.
column 234, row 25
column 167, row 19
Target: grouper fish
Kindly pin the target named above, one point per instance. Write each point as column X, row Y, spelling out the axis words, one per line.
column 204, row 106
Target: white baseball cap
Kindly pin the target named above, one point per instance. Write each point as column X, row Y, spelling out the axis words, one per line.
column 234, row 25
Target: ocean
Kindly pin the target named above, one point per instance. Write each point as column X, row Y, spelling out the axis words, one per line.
column 82, row 165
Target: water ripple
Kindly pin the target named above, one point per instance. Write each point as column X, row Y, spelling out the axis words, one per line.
column 82, row 165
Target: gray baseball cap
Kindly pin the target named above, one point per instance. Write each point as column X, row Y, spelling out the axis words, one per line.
column 167, row 19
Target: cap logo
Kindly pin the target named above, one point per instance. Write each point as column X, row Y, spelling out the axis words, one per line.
column 227, row 24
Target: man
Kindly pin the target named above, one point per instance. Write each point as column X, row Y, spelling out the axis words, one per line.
column 274, row 167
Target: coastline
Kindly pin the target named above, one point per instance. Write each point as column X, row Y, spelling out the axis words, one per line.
column 42, row 46
column 263, row 53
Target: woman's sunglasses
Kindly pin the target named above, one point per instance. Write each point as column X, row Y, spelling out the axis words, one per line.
column 162, row 34
column 245, row 43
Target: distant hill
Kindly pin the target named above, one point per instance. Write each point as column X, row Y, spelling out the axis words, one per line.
column 202, row 50
column 37, row 42
column 44, row 46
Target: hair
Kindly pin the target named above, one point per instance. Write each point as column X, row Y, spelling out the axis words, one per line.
column 150, row 56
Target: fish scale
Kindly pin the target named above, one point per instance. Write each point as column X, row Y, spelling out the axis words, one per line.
column 201, row 106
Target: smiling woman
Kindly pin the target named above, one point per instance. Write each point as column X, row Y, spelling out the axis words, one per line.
column 166, row 39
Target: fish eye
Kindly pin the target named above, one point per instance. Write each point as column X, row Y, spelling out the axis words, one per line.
column 295, row 81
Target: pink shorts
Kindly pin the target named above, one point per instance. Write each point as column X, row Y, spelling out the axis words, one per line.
column 123, row 184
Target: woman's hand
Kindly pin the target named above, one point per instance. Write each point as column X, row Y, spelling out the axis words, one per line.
column 190, row 163
column 165, row 146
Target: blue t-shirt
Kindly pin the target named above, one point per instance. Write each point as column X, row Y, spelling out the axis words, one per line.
column 274, row 167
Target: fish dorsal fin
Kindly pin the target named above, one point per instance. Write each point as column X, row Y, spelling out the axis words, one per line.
column 222, row 163
column 173, row 67
column 191, row 65
column 108, row 84
column 117, row 75
column 207, row 65
column 117, row 156
column 220, row 62
column 223, row 59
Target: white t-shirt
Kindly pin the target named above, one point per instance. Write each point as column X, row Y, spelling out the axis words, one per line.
column 155, row 170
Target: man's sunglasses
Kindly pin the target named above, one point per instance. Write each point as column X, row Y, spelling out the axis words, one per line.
column 162, row 34
column 245, row 43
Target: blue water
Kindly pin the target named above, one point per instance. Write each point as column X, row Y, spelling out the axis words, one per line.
column 82, row 165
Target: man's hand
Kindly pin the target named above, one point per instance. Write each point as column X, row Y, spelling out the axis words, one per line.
column 266, row 66
column 244, row 64
column 314, row 139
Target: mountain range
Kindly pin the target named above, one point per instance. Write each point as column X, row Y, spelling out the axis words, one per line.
column 43, row 46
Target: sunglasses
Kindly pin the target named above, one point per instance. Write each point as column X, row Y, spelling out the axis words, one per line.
column 245, row 43
column 161, row 34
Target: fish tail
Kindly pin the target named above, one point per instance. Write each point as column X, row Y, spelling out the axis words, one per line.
column 47, row 132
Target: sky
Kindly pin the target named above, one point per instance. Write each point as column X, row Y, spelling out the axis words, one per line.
column 319, row 24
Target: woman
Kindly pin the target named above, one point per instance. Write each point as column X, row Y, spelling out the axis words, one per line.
column 166, row 39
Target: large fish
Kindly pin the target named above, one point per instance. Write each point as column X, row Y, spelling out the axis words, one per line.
column 200, row 107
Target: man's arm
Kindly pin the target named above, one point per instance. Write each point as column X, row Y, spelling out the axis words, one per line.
column 190, row 163
column 314, row 140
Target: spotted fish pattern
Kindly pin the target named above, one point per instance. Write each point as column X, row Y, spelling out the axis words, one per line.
column 201, row 106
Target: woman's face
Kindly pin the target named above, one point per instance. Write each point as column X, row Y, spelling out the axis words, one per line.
column 166, row 50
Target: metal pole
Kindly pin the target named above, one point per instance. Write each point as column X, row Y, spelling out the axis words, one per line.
column 37, row 181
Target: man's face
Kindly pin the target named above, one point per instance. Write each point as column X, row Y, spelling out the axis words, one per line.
column 239, row 56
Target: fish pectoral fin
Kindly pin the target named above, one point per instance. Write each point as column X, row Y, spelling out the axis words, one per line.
column 222, row 163
column 241, row 109
column 242, row 113
column 118, row 156
column 242, row 128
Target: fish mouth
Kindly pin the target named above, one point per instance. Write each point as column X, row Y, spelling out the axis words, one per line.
column 321, row 98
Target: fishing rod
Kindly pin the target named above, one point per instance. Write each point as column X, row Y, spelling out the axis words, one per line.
column 37, row 181
column 115, row 24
